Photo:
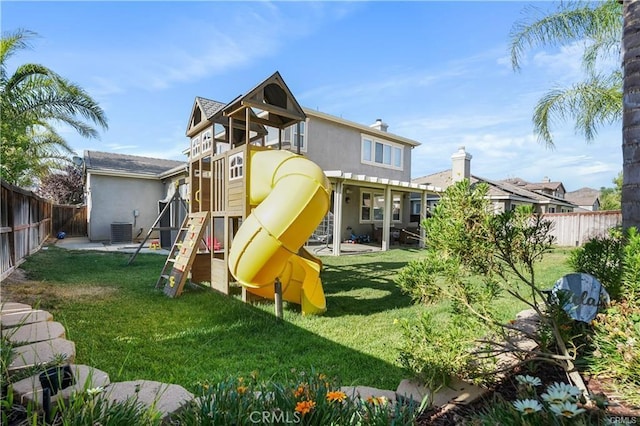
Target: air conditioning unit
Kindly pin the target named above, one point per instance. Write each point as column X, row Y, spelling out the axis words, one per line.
column 121, row 232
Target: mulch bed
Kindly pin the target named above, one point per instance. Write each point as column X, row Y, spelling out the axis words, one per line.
column 506, row 390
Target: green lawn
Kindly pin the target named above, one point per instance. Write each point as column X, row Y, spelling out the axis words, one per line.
column 122, row 325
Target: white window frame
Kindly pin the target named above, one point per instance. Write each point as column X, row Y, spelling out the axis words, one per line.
column 195, row 146
column 379, row 206
column 207, row 141
column 392, row 153
column 236, row 166
column 289, row 136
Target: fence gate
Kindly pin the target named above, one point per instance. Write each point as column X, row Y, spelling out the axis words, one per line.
column 71, row 220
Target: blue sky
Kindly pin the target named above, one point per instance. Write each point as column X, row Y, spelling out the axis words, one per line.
column 436, row 72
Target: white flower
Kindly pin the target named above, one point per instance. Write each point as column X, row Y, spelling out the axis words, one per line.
column 555, row 396
column 566, row 409
column 529, row 380
column 95, row 391
column 527, row 406
column 563, row 387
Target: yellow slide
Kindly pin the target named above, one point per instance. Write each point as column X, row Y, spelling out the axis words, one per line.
column 291, row 195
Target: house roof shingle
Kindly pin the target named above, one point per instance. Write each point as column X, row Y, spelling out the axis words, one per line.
column 583, row 196
column 123, row 163
column 209, row 106
column 497, row 189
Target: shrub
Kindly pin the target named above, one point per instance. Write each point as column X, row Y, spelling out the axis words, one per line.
column 631, row 267
column 616, row 343
column 434, row 352
column 602, row 258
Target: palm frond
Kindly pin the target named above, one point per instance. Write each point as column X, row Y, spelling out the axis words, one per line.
column 591, row 103
column 572, row 21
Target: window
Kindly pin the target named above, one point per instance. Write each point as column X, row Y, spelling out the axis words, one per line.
column 289, row 136
column 365, row 207
column 372, row 207
column 206, row 141
column 235, row 166
column 385, row 154
column 195, row 146
column 551, row 209
column 396, row 208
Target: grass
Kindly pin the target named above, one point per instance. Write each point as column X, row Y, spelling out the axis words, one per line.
column 123, row 326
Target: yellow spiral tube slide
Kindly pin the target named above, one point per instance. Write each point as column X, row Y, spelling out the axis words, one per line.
column 291, row 195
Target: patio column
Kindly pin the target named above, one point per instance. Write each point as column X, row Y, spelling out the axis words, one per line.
column 337, row 216
column 386, row 222
column 423, row 216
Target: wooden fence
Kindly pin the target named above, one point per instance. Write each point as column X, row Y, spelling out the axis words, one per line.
column 72, row 220
column 574, row 229
column 25, row 224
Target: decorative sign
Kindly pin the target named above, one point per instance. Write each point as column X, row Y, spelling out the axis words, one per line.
column 586, row 295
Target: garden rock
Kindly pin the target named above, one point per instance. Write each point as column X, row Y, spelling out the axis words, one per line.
column 33, row 333
column 366, row 392
column 28, row 392
column 10, row 307
column 165, row 398
column 42, row 353
column 458, row 392
column 15, row 319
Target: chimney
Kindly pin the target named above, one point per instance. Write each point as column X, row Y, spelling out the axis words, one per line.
column 546, row 179
column 380, row 125
column 460, row 165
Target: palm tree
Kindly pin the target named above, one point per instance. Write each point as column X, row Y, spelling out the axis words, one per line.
column 33, row 100
column 631, row 116
column 598, row 99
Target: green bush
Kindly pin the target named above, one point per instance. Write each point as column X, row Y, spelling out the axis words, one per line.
column 602, row 258
column 631, row 268
column 616, row 354
column 417, row 279
column 434, row 351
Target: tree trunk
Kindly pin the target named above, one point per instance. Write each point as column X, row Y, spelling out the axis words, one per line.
column 631, row 115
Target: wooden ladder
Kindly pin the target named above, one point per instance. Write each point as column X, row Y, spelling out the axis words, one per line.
column 178, row 264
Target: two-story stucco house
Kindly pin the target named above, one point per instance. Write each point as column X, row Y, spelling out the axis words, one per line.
column 369, row 167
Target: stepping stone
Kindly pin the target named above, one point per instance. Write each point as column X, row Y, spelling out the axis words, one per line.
column 164, row 398
column 457, row 392
column 41, row 353
column 10, row 307
column 365, row 393
column 15, row 319
column 33, row 333
column 28, row 392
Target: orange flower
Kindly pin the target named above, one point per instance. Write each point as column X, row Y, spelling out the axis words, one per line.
column 304, row 407
column 242, row 390
column 338, row 396
column 300, row 391
column 377, row 400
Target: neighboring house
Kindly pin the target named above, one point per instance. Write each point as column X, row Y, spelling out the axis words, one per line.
column 585, row 198
column 546, row 187
column 369, row 167
column 125, row 193
column 504, row 195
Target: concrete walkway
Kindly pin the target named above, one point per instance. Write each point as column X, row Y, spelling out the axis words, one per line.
column 83, row 243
